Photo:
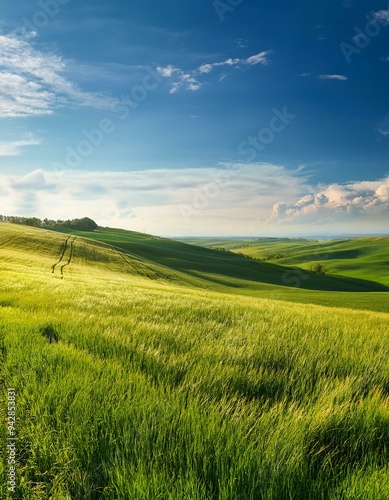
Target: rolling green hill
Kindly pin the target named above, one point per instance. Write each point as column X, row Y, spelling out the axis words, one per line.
column 168, row 261
column 135, row 367
column 363, row 258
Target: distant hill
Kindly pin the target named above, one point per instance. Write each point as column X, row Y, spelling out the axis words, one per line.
column 363, row 258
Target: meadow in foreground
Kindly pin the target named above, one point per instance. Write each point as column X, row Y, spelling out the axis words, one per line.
column 158, row 390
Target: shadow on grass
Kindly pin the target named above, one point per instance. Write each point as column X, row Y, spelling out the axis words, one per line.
column 225, row 268
column 219, row 267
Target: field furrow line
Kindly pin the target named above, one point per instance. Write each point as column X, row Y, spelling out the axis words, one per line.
column 64, row 248
column 71, row 255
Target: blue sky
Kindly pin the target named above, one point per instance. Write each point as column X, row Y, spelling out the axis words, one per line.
column 199, row 117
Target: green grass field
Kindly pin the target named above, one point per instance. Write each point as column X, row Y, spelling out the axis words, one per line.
column 187, row 373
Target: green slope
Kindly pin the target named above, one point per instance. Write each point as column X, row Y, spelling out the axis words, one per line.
column 165, row 261
column 363, row 258
column 213, row 266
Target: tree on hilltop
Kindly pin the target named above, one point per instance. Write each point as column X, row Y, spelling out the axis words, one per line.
column 84, row 224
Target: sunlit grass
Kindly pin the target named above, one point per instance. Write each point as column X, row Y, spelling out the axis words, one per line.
column 158, row 391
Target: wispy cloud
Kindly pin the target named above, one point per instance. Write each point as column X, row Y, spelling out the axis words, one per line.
column 33, row 83
column 325, row 77
column 15, row 148
column 242, row 43
column 189, row 80
column 207, row 68
column 333, row 77
column 260, row 58
column 383, row 128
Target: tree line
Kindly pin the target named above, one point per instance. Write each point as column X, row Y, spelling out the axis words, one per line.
column 84, row 224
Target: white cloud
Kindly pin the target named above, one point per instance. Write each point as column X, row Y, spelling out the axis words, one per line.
column 260, row 58
column 33, row 83
column 206, row 68
column 189, row 80
column 14, row 148
column 333, row 77
column 33, row 181
column 337, row 202
column 186, row 80
column 168, row 71
column 381, row 15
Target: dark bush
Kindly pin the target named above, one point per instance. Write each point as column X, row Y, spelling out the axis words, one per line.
column 50, row 333
column 84, row 224
column 318, row 268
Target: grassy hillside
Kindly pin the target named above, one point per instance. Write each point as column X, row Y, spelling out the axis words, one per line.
column 172, row 262
column 230, row 273
column 162, row 385
column 363, row 258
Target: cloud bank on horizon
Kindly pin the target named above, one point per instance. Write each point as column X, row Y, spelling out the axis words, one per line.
column 244, row 198
column 337, row 203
